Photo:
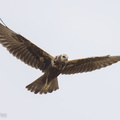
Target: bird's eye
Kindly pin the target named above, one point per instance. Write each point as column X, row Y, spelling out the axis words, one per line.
column 64, row 56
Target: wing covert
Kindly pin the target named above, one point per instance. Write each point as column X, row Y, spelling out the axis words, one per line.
column 89, row 64
column 23, row 49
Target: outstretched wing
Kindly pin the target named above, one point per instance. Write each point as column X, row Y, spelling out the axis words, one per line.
column 23, row 49
column 89, row 64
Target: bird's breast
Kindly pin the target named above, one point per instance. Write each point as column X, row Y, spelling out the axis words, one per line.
column 59, row 65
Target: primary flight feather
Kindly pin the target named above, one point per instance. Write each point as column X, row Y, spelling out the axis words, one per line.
column 51, row 66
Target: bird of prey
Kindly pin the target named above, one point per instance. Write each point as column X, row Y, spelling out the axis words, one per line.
column 51, row 66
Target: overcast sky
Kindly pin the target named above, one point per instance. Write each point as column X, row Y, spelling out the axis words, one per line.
column 77, row 28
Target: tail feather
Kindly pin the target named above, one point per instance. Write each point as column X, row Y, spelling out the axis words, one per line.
column 41, row 86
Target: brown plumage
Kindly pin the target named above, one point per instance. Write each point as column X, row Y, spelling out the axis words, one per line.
column 51, row 66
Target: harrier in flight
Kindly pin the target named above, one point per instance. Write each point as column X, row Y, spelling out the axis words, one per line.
column 51, row 66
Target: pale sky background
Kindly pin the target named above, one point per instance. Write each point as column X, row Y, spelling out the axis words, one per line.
column 77, row 28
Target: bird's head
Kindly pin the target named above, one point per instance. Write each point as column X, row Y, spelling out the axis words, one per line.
column 61, row 59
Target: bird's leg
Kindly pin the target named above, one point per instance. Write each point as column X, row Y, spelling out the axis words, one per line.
column 46, row 86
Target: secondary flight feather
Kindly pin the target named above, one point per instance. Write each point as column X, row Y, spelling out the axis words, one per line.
column 51, row 66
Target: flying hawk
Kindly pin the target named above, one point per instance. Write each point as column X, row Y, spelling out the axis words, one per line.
column 51, row 66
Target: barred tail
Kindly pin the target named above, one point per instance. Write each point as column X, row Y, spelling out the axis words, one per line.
column 41, row 86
